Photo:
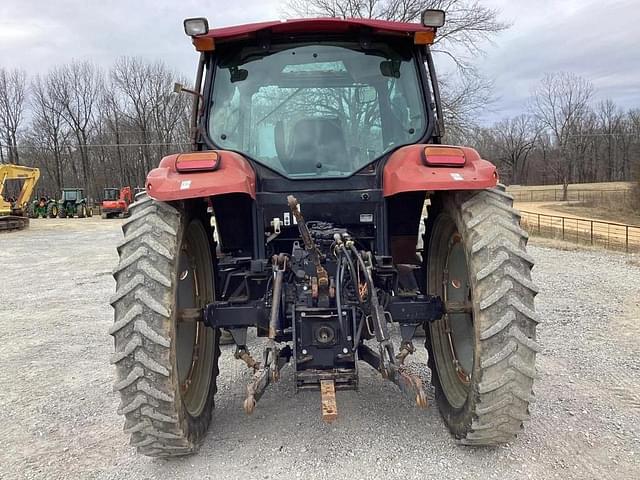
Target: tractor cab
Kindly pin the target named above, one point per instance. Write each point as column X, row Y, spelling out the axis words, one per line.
column 318, row 109
column 111, row 194
column 73, row 203
column 116, row 202
column 72, row 194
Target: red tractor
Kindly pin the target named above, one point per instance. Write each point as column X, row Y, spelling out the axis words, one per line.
column 116, row 202
column 297, row 218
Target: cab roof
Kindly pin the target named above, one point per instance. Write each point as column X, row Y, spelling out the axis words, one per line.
column 316, row 25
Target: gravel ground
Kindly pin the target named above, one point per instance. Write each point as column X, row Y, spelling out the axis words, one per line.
column 57, row 410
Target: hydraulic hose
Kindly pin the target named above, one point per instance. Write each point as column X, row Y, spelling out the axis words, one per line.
column 352, row 269
column 377, row 312
column 339, row 297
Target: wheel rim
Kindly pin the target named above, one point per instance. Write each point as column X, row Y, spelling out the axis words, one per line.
column 194, row 341
column 453, row 335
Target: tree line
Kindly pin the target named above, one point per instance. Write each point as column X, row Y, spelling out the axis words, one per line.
column 83, row 126
column 563, row 137
column 92, row 128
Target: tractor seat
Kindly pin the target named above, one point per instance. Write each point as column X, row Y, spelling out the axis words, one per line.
column 316, row 143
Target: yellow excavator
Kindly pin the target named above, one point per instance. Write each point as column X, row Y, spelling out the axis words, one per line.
column 14, row 211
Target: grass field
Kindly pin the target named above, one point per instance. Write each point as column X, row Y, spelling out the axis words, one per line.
column 604, row 213
column 607, row 201
column 587, row 215
column 574, row 186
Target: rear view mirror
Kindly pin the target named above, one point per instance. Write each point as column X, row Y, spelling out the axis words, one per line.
column 238, row 74
column 390, row 68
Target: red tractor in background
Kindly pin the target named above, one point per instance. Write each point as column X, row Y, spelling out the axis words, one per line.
column 116, row 202
column 297, row 217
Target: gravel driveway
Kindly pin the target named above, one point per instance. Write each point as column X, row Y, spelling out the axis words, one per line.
column 57, row 410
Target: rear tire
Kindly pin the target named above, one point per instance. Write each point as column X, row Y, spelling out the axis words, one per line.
column 166, row 370
column 82, row 211
column 482, row 359
column 62, row 213
column 52, row 210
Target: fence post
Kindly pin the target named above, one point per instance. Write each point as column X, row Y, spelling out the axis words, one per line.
column 591, row 232
column 538, row 224
column 626, row 232
column 562, row 228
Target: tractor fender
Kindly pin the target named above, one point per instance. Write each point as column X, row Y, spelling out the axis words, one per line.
column 407, row 171
column 233, row 175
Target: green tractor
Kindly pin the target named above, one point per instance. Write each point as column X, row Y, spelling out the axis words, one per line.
column 43, row 207
column 73, row 203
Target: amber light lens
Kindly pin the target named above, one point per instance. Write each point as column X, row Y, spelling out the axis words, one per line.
column 204, row 44
column 424, row 38
column 439, row 156
column 197, row 162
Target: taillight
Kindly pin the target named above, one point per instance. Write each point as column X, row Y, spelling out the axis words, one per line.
column 443, row 156
column 197, row 162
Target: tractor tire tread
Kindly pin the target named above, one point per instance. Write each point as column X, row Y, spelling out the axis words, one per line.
column 154, row 417
column 500, row 272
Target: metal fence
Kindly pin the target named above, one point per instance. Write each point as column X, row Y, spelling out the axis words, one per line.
column 614, row 236
column 555, row 194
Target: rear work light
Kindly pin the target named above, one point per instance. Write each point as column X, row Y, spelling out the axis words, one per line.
column 197, row 162
column 196, row 26
column 433, row 18
column 441, row 156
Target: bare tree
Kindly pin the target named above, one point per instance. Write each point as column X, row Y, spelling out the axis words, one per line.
column 516, row 138
column 12, row 104
column 633, row 117
column 560, row 103
column 609, row 123
column 468, row 24
column 158, row 118
column 78, row 87
column 464, row 98
column 49, row 133
column 112, row 122
column 131, row 77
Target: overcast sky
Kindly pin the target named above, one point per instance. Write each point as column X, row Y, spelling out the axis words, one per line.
column 600, row 42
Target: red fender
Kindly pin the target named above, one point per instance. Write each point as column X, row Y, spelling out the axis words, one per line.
column 234, row 175
column 406, row 171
